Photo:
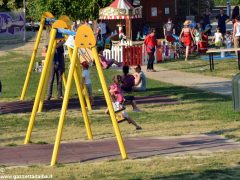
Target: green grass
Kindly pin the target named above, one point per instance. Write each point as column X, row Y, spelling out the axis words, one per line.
column 223, row 68
column 198, row 113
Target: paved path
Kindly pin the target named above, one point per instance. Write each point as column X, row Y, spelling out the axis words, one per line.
column 82, row 151
column 212, row 84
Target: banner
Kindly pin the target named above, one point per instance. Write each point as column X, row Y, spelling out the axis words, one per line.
column 11, row 23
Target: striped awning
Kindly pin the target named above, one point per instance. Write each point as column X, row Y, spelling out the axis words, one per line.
column 120, row 9
column 120, row 17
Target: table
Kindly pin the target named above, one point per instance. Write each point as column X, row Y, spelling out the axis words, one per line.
column 211, row 51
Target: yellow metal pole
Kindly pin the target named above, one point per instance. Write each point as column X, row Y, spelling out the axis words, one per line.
column 29, row 72
column 64, row 108
column 109, row 103
column 40, row 86
column 40, row 107
column 81, row 98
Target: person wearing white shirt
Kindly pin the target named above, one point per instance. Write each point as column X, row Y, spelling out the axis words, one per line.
column 103, row 28
column 236, row 33
column 218, row 38
column 86, row 79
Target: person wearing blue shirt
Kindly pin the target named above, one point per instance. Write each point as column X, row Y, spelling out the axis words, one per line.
column 222, row 18
column 58, row 69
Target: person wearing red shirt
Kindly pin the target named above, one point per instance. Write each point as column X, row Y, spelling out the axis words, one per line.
column 150, row 43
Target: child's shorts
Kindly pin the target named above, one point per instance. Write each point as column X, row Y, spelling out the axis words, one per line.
column 117, row 106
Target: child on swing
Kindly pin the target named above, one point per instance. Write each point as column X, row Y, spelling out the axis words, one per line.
column 118, row 100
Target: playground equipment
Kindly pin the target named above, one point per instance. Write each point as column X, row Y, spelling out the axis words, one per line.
column 46, row 20
column 45, row 16
column 84, row 39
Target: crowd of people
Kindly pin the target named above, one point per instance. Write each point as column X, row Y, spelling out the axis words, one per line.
column 192, row 34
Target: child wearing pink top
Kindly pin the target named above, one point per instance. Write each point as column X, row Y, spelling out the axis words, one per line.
column 106, row 64
column 118, row 100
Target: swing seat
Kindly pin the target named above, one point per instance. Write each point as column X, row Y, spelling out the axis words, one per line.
column 119, row 116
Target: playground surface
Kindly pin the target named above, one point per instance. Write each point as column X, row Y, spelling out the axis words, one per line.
column 26, row 106
column 141, row 147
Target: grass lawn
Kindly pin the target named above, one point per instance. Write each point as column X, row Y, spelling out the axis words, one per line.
column 199, row 112
column 223, row 68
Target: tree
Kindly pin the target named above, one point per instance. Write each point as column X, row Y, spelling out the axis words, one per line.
column 75, row 9
column 224, row 2
column 9, row 5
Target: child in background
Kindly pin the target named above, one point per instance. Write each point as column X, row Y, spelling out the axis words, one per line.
column 197, row 36
column 118, row 99
column 171, row 51
column 165, row 50
column 86, row 79
column 218, row 38
column 228, row 40
column 106, row 64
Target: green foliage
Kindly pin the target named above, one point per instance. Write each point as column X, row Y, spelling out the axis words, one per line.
column 223, row 2
column 8, row 5
column 75, row 9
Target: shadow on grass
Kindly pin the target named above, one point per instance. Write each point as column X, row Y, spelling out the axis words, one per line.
column 223, row 131
column 227, row 173
column 188, row 94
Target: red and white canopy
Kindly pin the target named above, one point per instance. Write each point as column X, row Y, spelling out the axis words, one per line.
column 121, row 4
column 120, row 9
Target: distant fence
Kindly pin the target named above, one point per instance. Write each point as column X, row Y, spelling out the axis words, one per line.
column 116, row 53
column 129, row 55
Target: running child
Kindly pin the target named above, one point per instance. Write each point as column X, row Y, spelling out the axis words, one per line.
column 118, row 100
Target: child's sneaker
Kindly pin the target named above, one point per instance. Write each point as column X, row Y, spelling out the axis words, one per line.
column 138, row 128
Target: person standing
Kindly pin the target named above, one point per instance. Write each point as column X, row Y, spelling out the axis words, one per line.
column 86, row 80
column 168, row 30
column 222, row 19
column 58, row 69
column 102, row 27
column 187, row 37
column 218, row 38
column 150, row 43
column 235, row 14
column 236, row 33
column 205, row 20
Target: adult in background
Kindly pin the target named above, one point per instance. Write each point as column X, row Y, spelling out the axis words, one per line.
column 140, row 79
column 236, row 33
column 205, row 20
column 150, row 43
column 187, row 36
column 102, row 28
column 58, row 69
column 168, row 30
column 235, row 14
column 128, row 82
column 222, row 19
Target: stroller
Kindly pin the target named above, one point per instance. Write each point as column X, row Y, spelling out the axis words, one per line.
column 178, row 45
